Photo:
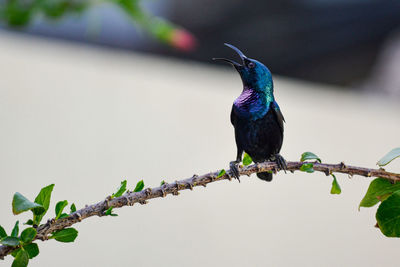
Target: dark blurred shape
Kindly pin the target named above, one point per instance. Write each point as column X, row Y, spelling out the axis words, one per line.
column 325, row 41
column 331, row 41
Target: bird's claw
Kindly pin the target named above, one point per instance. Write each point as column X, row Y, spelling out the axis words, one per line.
column 281, row 162
column 234, row 170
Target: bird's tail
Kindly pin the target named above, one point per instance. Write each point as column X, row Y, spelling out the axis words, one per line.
column 266, row 176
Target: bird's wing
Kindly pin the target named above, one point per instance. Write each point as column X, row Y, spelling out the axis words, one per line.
column 279, row 115
column 233, row 116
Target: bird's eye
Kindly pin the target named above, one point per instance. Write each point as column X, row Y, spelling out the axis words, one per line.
column 251, row 65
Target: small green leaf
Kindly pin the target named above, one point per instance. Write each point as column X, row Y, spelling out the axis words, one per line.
column 43, row 198
column 109, row 212
column 73, row 208
column 29, row 222
column 65, row 235
column 388, row 216
column 247, row 159
column 335, row 186
column 60, row 207
column 307, row 167
column 21, row 204
column 28, row 235
column 221, row 173
column 162, row 182
column 15, row 230
column 63, row 215
column 378, row 190
column 2, row 232
column 21, row 259
column 394, row 153
column 139, row 186
column 10, row 241
column 121, row 190
column 32, row 249
column 309, row 156
column 15, row 252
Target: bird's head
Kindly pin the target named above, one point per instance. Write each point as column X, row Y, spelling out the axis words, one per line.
column 254, row 74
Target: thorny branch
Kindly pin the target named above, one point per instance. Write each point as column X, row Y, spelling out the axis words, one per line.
column 130, row 198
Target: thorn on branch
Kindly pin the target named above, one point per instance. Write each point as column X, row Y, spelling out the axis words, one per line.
column 143, row 201
column 342, row 165
column 176, row 191
column 128, row 201
column 190, row 186
column 106, row 201
column 163, row 193
column 147, row 191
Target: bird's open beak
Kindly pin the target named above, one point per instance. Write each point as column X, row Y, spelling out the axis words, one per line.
column 235, row 64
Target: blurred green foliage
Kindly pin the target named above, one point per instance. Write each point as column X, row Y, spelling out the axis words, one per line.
column 20, row 13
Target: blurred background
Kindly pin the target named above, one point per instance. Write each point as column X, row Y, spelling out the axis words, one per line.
column 349, row 43
column 92, row 93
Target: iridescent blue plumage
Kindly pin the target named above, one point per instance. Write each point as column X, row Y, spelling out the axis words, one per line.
column 256, row 116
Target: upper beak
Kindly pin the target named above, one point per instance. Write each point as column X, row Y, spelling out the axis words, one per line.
column 235, row 64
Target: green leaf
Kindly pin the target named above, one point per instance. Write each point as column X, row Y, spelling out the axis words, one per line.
column 388, row 216
column 21, row 259
column 65, row 235
column 139, row 186
column 378, row 189
column 43, row 198
column 121, row 190
column 28, row 235
column 307, row 167
column 63, row 215
column 10, row 241
column 394, row 153
column 162, row 182
column 15, row 230
column 60, row 207
column 246, row 159
column 309, row 156
column 109, row 212
column 221, row 173
column 32, row 249
column 335, row 186
column 2, row 232
column 73, row 208
column 21, row 204
column 29, row 222
column 15, row 252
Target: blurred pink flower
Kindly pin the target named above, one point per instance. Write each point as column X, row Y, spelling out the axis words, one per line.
column 182, row 40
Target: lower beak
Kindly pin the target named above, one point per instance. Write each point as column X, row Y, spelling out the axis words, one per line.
column 233, row 63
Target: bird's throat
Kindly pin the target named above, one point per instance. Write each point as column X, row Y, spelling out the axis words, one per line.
column 252, row 104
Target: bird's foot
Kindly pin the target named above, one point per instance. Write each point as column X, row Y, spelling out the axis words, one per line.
column 234, row 170
column 280, row 161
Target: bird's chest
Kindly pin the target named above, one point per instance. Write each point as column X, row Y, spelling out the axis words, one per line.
column 259, row 138
column 251, row 105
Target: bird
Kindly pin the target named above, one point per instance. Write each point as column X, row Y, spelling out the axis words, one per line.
column 256, row 116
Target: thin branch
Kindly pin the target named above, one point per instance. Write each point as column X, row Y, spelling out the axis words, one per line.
column 130, row 198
